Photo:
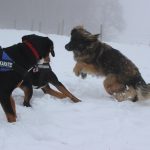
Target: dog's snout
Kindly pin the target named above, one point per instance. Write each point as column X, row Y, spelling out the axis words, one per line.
column 67, row 46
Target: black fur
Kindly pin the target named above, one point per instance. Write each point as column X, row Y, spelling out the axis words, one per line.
column 22, row 55
column 41, row 77
column 46, row 43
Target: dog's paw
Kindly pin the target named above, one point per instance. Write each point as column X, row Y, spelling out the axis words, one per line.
column 77, row 72
column 83, row 75
column 75, row 100
column 26, row 104
column 119, row 96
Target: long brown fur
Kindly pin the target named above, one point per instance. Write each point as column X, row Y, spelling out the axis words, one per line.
column 122, row 78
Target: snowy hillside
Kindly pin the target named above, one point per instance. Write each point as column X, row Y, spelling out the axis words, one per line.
column 97, row 123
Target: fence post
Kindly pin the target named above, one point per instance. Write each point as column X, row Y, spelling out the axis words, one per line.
column 32, row 25
column 62, row 27
column 58, row 29
column 15, row 24
column 101, row 32
column 40, row 26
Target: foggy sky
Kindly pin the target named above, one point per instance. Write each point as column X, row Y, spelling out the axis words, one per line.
column 21, row 15
column 49, row 15
column 136, row 15
column 60, row 16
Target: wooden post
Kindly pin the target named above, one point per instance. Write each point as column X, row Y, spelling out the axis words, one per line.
column 62, row 27
column 58, row 29
column 15, row 24
column 32, row 25
column 101, row 32
column 40, row 26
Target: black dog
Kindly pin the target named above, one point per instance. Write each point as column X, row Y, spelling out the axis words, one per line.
column 40, row 77
column 16, row 61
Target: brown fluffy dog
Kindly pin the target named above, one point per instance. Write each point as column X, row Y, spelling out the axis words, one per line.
column 123, row 79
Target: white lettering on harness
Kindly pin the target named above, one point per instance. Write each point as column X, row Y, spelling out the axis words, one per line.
column 6, row 64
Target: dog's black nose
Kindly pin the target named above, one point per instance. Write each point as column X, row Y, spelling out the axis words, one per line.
column 67, row 46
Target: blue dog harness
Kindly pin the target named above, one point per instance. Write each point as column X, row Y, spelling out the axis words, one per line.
column 6, row 63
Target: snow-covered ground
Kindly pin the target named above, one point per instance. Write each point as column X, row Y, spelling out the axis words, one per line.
column 97, row 123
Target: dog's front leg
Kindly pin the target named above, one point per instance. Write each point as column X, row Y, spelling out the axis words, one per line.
column 78, row 70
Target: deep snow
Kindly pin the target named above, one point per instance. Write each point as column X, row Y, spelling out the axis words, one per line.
column 97, row 123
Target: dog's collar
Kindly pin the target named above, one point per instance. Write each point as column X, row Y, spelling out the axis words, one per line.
column 34, row 51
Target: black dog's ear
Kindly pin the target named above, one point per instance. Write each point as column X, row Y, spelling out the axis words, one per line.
column 28, row 37
column 51, row 46
column 52, row 52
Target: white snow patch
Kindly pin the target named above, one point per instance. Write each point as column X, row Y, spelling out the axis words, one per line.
column 97, row 123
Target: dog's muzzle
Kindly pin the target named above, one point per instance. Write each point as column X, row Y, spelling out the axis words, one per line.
column 68, row 47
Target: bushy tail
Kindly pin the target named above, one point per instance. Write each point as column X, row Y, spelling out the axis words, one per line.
column 143, row 92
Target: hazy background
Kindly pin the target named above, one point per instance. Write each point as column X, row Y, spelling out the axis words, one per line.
column 123, row 20
column 136, row 15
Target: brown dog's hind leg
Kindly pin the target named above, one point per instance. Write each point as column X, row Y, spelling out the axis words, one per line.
column 8, row 106
column 128, row 94
column 112, row 84
column 120, row 91
column 46, row 89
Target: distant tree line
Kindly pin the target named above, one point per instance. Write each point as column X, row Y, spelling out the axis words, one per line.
column 60, row 16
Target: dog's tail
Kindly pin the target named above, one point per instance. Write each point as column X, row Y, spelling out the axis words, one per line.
column 143, row 91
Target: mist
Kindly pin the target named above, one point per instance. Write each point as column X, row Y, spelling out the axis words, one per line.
column 115, row 20
column 136, row 16
column 60, row 16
